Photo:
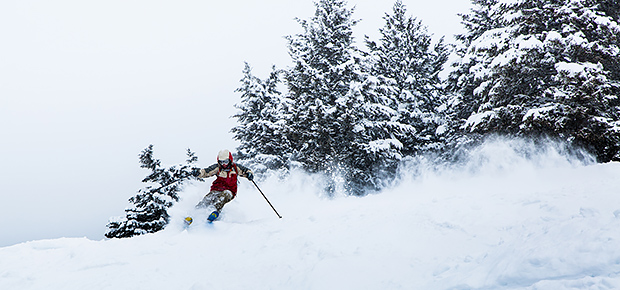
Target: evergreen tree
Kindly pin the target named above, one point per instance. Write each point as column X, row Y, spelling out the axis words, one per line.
column 373, row 150
column 486, row 18
column 148, row 210
column 551, row 69
column 323, row 58
column 340, row 123
column 263, row 127
column 407, row 66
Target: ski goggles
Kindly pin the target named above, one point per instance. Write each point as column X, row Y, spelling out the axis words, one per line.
column 223, row 162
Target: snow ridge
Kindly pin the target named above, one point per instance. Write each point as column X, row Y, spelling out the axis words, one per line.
column 513, row 217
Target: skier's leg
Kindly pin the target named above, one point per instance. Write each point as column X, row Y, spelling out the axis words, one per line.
column 222, row 198
column 208, row 202
column 208, row 199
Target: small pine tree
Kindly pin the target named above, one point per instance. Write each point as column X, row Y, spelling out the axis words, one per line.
column 148, row 210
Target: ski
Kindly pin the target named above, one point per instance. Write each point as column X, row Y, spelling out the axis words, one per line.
column 210, row 219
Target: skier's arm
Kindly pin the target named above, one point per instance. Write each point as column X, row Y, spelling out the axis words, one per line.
column 207, row 172
column 245, row 172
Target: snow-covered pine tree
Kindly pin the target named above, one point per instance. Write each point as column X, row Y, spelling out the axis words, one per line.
column 373, row 152
column 551, row 69
column 582, row 104
column 486, row 15
column 407, row 65
column 339, row 124
column 322, row 72
column 320, row 78
column 148, row 210
column 263, row 127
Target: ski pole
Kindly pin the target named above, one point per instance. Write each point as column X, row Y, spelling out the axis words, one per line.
column 261, row 192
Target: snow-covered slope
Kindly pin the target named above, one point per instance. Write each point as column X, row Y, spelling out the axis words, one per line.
column 501, row 222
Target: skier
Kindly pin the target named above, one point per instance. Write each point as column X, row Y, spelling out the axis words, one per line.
column 224, row 187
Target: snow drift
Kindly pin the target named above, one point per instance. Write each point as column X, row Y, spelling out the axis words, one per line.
column 513, row 217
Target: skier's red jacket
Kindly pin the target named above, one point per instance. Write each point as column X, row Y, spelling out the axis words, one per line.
column 226, row 178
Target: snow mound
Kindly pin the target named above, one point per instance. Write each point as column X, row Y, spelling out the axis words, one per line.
column 513, row 217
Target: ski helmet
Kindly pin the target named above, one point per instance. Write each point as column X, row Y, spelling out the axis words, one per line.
column 224, row 158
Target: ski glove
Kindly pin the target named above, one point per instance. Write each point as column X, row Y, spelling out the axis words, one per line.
column 250, row 176
column 196, row 172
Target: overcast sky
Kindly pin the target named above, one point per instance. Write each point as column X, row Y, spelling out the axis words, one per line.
column 86, row 85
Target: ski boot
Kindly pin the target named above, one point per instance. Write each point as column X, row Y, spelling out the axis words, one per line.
column 188, row 221
column 213, row 216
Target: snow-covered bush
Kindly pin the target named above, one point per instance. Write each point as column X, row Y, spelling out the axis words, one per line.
column 148, row 209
